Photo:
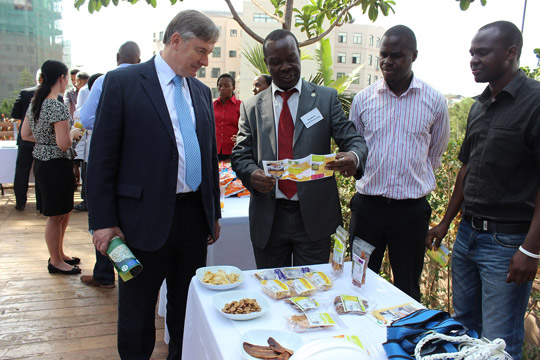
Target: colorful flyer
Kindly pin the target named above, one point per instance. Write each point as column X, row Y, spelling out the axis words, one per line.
column 311, row 167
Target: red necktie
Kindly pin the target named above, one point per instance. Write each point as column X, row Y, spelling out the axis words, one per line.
column 285, row 141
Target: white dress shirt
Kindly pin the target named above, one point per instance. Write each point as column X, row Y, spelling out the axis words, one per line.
column 165, row 76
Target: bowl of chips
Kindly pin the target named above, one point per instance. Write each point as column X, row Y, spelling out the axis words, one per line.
column 220, row 277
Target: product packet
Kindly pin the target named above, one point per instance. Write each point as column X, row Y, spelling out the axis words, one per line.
column 338, row 253
column 295, row 273
column 360, row 259
column 351, row 305
column 301, row 287
column 321, row 281
column 303, row 304
column 441, row 256
column 276, row 289
column 270, row 274
column 313, row 322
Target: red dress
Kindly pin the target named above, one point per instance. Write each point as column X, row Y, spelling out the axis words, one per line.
column 226, row 123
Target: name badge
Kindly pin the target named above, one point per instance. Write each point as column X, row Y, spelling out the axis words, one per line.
column 311, row 118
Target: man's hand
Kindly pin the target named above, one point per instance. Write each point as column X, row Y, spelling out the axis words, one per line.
column 103, row 237
column 76, row 133
column 345, row 163
column 217, row 230
column 522, row 268
column 435, row 235
column 261, row 182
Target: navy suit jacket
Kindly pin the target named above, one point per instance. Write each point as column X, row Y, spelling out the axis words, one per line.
column 133, row 163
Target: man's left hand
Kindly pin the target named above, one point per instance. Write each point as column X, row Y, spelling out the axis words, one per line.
column 345, row 163
column 522, row 268
column 217, row 230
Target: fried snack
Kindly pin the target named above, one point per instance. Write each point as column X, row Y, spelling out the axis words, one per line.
column 275, row 289
column 244, row 306
column 353, row 305
column 360, row 259
column 220, row 278
column 302, row 304
column 309, row 322
column 277, row 346
column 321, row 281
column 273, row 351
column 301, row 287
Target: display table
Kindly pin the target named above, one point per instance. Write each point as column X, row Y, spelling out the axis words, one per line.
column 209, row 335
column 8, row 158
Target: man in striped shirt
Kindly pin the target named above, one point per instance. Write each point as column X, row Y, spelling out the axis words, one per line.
column 406, row 127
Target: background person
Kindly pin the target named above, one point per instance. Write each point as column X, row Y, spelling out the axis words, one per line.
column 261, row 82
column 292, row 220
column 70, row 97
column 48, row 125
column 153, row 178
column 226, row 112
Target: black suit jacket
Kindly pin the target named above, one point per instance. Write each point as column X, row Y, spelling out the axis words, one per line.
column 20, row 107
column 133, row 163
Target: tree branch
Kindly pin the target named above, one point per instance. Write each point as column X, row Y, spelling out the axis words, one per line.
column 273, row 16
column 332, row 26
column 243, row 24
column 287, row 24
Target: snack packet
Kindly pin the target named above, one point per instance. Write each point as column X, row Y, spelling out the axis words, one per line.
column 295, row 273
column 275, row 289
column 338, row 253
column 360, row 259
column 312, row 322
column 303, row 304
column 301, row 287
column 441, row 256
column 271, row 274
column 321, row 281
column 350, row 305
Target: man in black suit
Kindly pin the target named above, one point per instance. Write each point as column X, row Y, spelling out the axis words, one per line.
column 153, row 178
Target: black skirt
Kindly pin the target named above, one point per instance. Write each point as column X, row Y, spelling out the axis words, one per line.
column 55, row 185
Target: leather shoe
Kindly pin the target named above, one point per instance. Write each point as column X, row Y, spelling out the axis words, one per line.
column 81, row 207
column 19, row 207
column 54, row 270
column 90, row 281
column 73, row 261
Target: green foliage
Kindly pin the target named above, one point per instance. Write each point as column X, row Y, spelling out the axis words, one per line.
column 464, row 4
column 533, row 73
column 459, row 112
column 5, row 107
column 254, row 55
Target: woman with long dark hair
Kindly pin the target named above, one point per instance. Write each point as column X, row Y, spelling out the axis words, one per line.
column 48, row 124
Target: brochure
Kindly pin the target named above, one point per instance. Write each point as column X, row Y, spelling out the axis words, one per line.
column 311, row 167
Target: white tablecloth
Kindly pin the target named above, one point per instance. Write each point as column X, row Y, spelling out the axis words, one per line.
column 209, row 335
column 8, row 158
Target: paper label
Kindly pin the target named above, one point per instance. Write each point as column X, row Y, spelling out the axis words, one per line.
column 311, row 118
column 339, row 252
column 358, row 268
column 352, row 303
column 304, row 303
column 320, row 279
column 320, row 319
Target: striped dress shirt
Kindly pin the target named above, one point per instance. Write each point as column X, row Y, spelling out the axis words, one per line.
column 406, row 137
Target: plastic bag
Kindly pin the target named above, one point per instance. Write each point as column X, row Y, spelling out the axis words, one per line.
column 338, row 253
column 360, row 259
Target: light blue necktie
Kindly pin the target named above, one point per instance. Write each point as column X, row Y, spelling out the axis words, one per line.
column 191, row 143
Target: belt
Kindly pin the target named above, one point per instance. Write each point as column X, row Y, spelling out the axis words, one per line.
column 187, row 195
column 287, row 203
column 497, row 227
column 389, row 201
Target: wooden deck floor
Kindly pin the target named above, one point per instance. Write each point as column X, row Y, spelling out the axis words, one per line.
column 45, row 316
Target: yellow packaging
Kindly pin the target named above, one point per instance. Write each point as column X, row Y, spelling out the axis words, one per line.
column 321, row 281
column 276, row 289
column 301, row 287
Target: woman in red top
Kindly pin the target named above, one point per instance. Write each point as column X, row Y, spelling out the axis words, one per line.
column 227, row 113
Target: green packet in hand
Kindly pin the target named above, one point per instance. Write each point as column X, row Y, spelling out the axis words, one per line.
column 441, row 256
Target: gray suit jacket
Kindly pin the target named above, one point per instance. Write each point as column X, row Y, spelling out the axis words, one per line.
column 257, row 141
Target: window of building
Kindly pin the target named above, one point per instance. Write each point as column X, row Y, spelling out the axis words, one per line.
column 233, row 74
column 357, row 38
column 217, row 52
column 340, row 75
column 378, row 43
column 342, row 37
column 161, row 36
column 215, row 93
column 232, row 53
column 201, row 73
column 233, row 33
column 215, row 72
column 356, row 58
column 370, row 59
column 154, row 37
column 341, row 58
column 369, row 79
column 260, row 17
column 356, row 81
column 376, row 78
column 370, row 40
column 377, row 62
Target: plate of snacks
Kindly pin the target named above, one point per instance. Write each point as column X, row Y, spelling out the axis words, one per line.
column 220, row 277
column 269, row 344
column 240, row 304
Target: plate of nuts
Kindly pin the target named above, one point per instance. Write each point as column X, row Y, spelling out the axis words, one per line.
column 240, row 305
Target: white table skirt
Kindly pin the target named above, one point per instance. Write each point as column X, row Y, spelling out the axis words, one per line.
column 209, row 335
column 8, row 158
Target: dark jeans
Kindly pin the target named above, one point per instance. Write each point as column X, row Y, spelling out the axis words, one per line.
column 23, row 166
column 183, row 253
column 399, row 224
column 83, row 166
column 289, row 239
column 103, row 269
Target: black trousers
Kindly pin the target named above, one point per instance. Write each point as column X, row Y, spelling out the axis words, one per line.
column 23, row 165
column 288, row 238
column 401, row 225
column 183, row 253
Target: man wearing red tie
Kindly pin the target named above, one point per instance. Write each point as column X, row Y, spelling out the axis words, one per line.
column 293, row 220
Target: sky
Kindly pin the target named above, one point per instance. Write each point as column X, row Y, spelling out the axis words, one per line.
column 443, row 33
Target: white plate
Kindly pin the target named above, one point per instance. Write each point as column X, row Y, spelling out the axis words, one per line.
column 331, row 348
column 228, row 269
column 287, row 339
column 221, row 299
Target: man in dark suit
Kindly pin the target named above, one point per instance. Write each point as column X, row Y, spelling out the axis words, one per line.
column 153, row 178
column 25, row 159
column 292, row 119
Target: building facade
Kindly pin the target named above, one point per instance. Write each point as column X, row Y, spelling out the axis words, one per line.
column 30, row 33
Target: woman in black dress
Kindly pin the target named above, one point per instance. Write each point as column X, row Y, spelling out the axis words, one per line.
column 48, row 124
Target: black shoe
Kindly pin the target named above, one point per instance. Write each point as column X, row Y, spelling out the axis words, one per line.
column 73, row 261
column 81, row 207
column 54, row 270
column 19, row 207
